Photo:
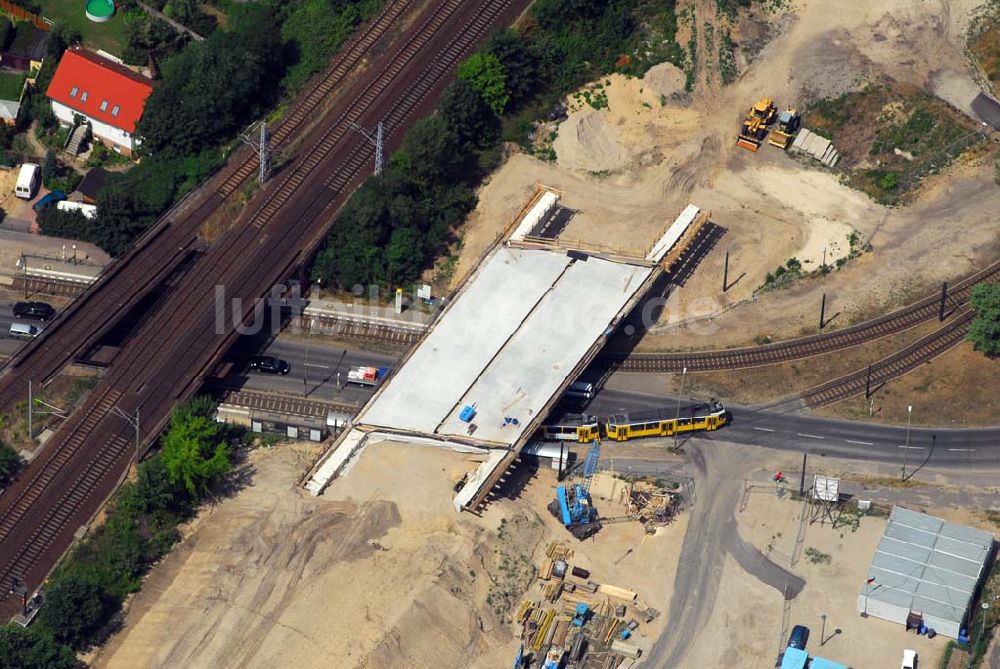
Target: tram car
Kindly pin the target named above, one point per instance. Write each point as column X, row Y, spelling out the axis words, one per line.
column 572, row 427
column 665, row 422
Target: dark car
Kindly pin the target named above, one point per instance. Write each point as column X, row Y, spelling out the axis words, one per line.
column 799, row 637
column 269, row 365
column 39, row 311
column 50, row 198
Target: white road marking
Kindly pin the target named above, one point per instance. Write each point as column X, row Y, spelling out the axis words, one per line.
column 764, row 429
column 963, row 450
column 309, row 364
column 860, row 443
column 810, row 436
column 913, row 448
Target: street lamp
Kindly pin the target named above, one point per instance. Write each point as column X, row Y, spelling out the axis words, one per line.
column 677, row 418
column 906, row 448
column 822, row 633
column 982, row 628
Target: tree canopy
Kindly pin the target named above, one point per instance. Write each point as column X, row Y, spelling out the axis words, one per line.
column 10, row 462
column 194, row 451
column 984, row 331
column 30, row 648
column 214, row 87
column 486, row 75
column 74, row 608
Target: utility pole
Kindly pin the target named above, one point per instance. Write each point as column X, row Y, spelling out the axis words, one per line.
column 677, row 418
column 377, row 140
column 305, row 365
column 944, row 299
column 134, row 422
column 30, row 403
column 725, row 274
column 259, row 146
column 906, row 448
column 802, row 476
column 822, row 312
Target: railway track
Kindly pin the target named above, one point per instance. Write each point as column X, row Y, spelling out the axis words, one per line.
column 174, row 238
column 265, row 245
column 805, row 347
column 893, row 366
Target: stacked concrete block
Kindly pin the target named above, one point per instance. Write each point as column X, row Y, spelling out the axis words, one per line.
column 816, row 146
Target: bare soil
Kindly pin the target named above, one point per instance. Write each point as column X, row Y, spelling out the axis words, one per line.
column 378, row 572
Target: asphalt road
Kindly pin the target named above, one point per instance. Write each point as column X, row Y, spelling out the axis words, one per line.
column 9, row 345
column 318, row 371
column 830, row 437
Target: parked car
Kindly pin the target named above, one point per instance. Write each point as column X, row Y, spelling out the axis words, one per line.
column 909, row 659
column 23, row 331
column 39, row 311
column 267, row 364
column 799, row 637
column 47, row 199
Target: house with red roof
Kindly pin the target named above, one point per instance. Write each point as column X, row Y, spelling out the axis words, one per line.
column 108, row 95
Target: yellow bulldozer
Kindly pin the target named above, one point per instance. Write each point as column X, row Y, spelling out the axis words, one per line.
column 788, row 125
column 754, row 128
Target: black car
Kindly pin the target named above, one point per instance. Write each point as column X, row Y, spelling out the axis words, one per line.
column 799, row 637
column 267, row 364
column 39, row 311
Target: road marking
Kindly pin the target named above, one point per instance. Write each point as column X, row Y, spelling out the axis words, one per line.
column 860, row 443
column 309, row 364
column 913, row 448
column 764, row 429
column 963, row 450
column 810, row 436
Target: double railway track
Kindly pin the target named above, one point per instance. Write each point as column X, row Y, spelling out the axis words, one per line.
column 895, row 322
column 893, row 366
column 169, row 355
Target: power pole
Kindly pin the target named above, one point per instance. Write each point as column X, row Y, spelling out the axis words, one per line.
column 259, row 146
column 30, row 402
column 725, row 274
column 822, row 312
column 377, row 140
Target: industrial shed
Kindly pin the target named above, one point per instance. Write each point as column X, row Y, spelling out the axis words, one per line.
column 926, row 568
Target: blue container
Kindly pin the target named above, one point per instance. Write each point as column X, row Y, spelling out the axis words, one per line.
column 467, row 414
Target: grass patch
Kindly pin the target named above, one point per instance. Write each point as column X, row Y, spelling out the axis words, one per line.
column 11, row 85
column 817, row 557
column 727, row 58
column 110, row 36
column 890, row 136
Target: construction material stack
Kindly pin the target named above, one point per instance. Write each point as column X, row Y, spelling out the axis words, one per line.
column 591, row 623
column 754, row 129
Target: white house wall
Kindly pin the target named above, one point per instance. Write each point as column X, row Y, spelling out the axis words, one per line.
column 100, row 129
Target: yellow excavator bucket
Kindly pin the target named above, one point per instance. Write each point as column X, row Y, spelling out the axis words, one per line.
column 746, row 143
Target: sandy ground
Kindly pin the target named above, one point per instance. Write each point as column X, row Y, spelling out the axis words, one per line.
column 630, row 168
column 378, row 572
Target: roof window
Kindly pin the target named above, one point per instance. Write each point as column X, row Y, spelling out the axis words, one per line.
column 115, row 110
column 74, row 91
column 104, row 105
column 83, row 97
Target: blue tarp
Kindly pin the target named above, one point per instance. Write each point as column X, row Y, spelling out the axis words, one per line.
column 794, row 659
column 820, row 663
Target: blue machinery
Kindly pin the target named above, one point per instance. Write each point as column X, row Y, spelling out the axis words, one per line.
column 574, row 505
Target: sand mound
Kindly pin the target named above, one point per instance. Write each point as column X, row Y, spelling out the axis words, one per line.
column 665, row 79
column 586, row 142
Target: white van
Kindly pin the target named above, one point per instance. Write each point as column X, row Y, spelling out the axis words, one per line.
column 24, row 331
column 27, row 181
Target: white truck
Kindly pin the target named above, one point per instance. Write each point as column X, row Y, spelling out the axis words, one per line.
column 27, row 181
column 366, row 376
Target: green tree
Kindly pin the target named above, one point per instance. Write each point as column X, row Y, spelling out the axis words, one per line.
column 430, row 153
column 212, row 88
column 29, row 648
column 519, row 61
column 10, row 463
column 471, row 119
column 194, row 452
column 984, row 331
column 74, row 609
column 487, row 77
column 50, row 167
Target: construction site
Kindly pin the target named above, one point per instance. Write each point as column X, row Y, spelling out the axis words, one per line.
column 559, row 472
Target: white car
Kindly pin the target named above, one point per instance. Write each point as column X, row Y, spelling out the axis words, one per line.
column 909, row 659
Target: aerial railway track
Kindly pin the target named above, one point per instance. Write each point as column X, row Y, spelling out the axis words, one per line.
column 895, row 322
column 174, row 238
column 86, row 458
